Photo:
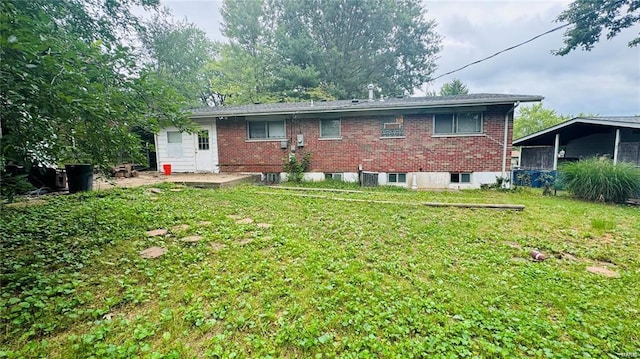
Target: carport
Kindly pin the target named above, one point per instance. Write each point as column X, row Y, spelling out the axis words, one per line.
column 616, row 138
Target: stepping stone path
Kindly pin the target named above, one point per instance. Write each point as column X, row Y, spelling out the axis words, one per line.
column 513, row 245
column 175, row 190
column 153, row 252
column 569, row 257
column 155, row 190
column 603, row 271
column 234, row 216
column 244, row 221
column 245, row 241
column 191, row 239
column 204, row 223
column 217, row 246
column 157, row 232
column 263, row 225
column 180, row 227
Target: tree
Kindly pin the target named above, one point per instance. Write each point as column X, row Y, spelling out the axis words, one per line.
column 589, row 18
column 70, row 89
column 534, row 118
column 336, row 46
column 240, row 77
column 455, row 87
column 179, row 52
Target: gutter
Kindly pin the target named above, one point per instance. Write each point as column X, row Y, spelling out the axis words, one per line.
column 506, row 138
column 359, row 107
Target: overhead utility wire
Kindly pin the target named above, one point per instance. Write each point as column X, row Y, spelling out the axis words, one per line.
column 501, row 51
column 518, row 45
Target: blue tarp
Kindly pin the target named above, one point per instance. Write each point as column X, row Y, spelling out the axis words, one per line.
column 533, row 178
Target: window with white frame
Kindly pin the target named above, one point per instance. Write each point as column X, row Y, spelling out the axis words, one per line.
column 460, row 177
column 333, row 176
column 203, row 140
column 457, row 123
column 330, row 128
column 263, row 130
column 174, row 144
column 397, row 178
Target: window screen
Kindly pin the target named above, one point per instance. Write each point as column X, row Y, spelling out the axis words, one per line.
column 330, row 128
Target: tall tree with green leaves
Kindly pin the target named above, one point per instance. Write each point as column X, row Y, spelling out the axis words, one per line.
column 179, row 52
column 455, row 87
column 70, row 88
column 534, row 118
column 590, row 18
column 337, row 46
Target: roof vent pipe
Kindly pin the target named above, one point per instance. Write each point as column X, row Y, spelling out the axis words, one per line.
column 370, row 88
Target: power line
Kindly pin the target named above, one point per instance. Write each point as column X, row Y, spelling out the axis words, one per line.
column 501, row 51
column 612, row 5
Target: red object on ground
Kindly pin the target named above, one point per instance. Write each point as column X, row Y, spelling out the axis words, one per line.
column 167, row 169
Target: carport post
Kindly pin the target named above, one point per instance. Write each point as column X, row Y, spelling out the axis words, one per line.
column 556, row 149
column 617, row 144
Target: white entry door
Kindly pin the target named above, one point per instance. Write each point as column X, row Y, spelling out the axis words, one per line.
column 204, row 151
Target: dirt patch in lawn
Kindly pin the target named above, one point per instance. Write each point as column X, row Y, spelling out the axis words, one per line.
column 603, row 271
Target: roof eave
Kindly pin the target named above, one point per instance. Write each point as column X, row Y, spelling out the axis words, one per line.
column 592, row 121
column 311, row 110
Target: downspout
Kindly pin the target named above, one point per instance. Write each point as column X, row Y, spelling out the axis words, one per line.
column 506, row 139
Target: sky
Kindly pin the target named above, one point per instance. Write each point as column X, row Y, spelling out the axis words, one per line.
column 604, row 81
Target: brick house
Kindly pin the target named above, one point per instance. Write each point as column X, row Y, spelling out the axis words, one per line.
column 419, row 142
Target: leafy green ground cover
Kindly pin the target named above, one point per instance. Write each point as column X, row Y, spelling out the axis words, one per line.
column 326, row 279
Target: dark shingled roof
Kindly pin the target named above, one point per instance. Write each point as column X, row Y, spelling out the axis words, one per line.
column 577, row 127
column 342, row 106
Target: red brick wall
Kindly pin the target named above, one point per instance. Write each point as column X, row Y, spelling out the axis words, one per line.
column 361, row 144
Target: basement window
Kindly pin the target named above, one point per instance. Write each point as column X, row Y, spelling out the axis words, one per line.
column 272, row 177
column 460, row 177
column 333, row 176
column 397, row 178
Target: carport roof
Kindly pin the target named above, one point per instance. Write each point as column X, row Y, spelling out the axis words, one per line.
column 346, row 106
column 577, row 127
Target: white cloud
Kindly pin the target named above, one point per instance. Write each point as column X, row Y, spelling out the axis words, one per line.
column 605, row 81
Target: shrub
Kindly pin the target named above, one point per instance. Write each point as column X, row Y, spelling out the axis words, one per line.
column 295, row 168
column 601, row 180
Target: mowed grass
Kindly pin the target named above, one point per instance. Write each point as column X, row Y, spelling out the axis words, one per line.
column 327, row 279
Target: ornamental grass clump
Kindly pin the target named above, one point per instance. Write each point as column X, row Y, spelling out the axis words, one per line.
column 601, row 181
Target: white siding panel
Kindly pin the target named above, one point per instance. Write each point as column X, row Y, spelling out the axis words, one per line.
column 185, row 163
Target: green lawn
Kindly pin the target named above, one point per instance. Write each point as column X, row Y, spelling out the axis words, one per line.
column 327, row 279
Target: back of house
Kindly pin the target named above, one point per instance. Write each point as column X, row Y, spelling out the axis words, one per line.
column 417, row 142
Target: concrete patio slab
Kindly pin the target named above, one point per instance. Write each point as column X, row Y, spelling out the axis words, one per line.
column 203, row 180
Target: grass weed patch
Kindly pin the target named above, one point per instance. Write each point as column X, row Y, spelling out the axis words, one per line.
column 323, row 278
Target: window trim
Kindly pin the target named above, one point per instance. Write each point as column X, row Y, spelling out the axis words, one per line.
column 320, row 135
column 454, row 125
column 264, row 139
column 171, row 146
column 333, row 176
column 460, row 174
column 397, row 175
column 200, row 139
column 397, row 120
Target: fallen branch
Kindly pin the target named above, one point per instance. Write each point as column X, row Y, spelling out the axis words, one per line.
column 515, row 207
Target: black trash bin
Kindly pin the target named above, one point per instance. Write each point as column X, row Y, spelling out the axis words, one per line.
column 79, row 177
